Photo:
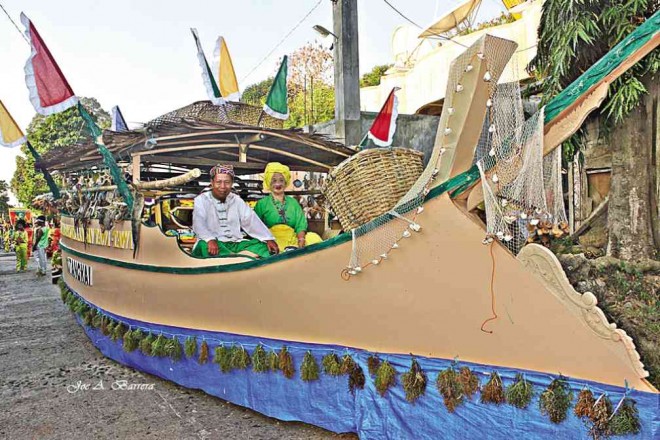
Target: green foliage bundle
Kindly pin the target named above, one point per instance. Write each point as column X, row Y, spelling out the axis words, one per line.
column 260, row 360
column 222, row 357
column 331, row 364
column 450, row 388
column 309, row 370
column 584, row 407
column 600, row 417
column 469, row 382
column 173, row 348
column 158, row 347
column 105, row 325
column 626, row 420
column 132, row 340
column 240, row 358
column 519, row 394
column 493, row 391
column 190, row 347
column 273, row 361
column 414, row 382
column 373, row 363
column 347, row 365
column 385, row 377
column 356, row 379
column 556, row 400
column 118, row 332
column 146, row 343
column 285, row 363
column 203, row 353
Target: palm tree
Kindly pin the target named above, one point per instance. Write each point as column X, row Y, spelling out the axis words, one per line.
column 573, row 35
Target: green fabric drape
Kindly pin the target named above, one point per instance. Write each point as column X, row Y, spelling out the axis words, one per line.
column 49, row 179
column 109, row 161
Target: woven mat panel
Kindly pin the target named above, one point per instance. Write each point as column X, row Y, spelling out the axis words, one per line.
column 371, row 183
column 230, row 112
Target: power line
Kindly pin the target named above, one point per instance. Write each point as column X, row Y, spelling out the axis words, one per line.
column 282, row 40
column 415, row 24
column 14, row 23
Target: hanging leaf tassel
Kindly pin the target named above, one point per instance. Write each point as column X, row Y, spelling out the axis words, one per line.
column 260, row 360
column 240, row 358
column 469, row 382
column 309, row 370
column 105, row 322
column 414, row 382
column 173, row 349
column 356, row 379
column 373, row 363
column 520, row 393
column 158, row 346
column 626, row 419
column 273, row 361
column 203, row 353
column 97, row 321
column 450, row 389
column 132, row 340
column 385, row 377
column 600, row 417
column 118, row 332
column 88, row 317
column 331, row 365
column 347, row 365
column 222, row 357
column 556, row 400
column 190, row 346
column 584, row 407
column 146, row 343
column 285, row 363
column 493, row 391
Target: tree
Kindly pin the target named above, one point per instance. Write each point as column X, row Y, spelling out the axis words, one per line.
column 4, row 199
column 572, row 36
column 372, row 78
column 255, row 94
column 46, row 133
column 310, row 83
column 310, row 74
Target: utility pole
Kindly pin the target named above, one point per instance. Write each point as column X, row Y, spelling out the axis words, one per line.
column 347, row 71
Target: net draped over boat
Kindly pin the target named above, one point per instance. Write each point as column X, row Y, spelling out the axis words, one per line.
column 522, row 189
column 373, row 241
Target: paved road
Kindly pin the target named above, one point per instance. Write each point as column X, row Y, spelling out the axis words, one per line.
column 44, row 354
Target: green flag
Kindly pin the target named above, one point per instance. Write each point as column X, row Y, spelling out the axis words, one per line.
column 276, row 104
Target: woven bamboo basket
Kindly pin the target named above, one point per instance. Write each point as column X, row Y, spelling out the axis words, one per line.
column 371, row 183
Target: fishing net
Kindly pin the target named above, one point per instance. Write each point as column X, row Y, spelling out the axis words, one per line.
column 373, row 241
column 523, row 196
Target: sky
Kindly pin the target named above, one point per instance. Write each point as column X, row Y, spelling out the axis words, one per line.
column 141, row 56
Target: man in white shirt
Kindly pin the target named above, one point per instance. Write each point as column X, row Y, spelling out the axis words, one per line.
column 220, row 216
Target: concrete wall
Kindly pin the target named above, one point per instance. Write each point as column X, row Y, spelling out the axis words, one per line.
column 412, row 131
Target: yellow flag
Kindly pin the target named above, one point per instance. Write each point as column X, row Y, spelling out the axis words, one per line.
column 10, row 134
column 225, row 69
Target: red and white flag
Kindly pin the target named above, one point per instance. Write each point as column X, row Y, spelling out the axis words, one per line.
column 50, row 92
column 384, row 126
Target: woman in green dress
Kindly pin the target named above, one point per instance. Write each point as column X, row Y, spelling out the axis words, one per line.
column 282, row 214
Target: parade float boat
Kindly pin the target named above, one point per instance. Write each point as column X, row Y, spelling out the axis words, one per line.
column 425, row 321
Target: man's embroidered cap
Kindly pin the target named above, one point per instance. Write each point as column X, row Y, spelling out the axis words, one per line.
column 222, row 169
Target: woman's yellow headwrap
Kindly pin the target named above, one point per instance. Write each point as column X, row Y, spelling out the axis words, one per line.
column 276, row 168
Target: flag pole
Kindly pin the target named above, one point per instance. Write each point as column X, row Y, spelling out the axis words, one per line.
column 47, row 176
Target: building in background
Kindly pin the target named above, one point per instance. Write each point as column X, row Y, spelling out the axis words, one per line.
column 421, row 60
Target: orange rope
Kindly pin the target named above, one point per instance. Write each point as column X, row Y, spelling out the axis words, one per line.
column 492, row 292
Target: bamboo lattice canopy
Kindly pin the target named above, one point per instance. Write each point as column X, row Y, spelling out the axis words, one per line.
column 202, row 134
